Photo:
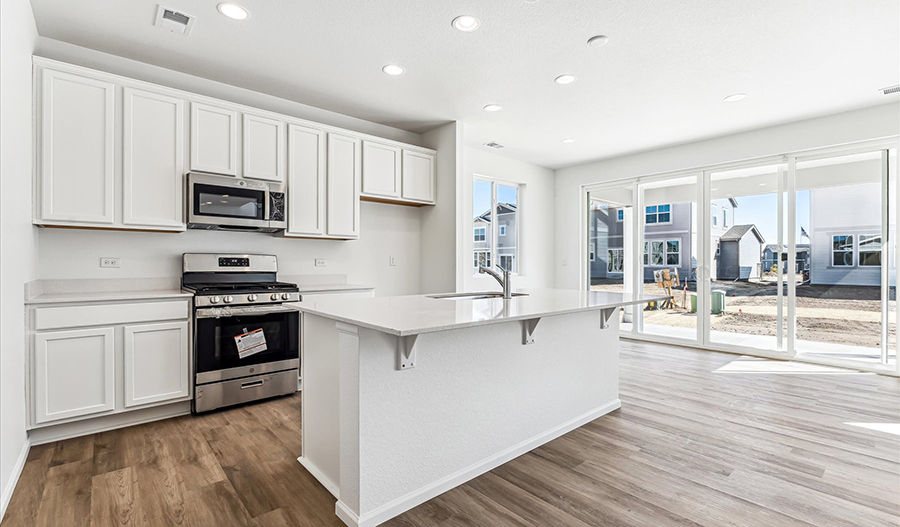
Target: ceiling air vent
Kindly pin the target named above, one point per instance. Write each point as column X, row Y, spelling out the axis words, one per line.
column 493, row 144
column 890, row 89
column 174, row 21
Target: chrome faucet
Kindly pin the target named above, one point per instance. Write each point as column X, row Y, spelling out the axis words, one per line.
column 504, row 280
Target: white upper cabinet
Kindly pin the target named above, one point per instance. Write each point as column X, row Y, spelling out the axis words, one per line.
column 153, row 160
column 214, row 139
column 380, row 170
column 263, row 145
column 343, row 186
column 306, row 181
column 74, row 373
column 418, row 176
column 77, row 153
column 156, row 363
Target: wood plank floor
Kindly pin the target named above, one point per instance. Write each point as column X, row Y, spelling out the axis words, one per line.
column 690, row 446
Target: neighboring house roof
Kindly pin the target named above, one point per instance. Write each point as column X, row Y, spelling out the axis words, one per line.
column 801, row 247
column 502, row 208
column 739, row 231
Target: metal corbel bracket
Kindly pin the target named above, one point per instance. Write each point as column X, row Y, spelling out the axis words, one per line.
column 528, row 327
column 605, row 316
column 406, row 352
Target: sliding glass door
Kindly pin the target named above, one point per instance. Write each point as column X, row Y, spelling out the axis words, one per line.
column 611, row 224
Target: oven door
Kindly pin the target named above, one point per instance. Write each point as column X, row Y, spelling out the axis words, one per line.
column 226, row 203
column 216, row 351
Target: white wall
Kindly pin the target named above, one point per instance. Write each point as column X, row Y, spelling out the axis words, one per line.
column 858, row 125
column 536, row 221
column 440, row 232
column 18, row 238
column 385, row 230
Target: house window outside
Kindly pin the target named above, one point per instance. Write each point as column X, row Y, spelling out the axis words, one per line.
column 724, row 218
column 714, row 215
column 620, row 215
column 662, row 253
column 869, row 250
column 673, row 252
column 657, row 253
column 593, row 250
column 615, row 263
column 496, row 203
column 646, row 253
column 658, row 214
column 842, row 250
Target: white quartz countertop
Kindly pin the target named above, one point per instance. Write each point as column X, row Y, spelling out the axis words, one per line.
column 416, row 314
column 106, row 296
column 333, row 288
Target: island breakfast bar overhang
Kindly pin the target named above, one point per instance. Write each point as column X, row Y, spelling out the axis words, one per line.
column 407, row 397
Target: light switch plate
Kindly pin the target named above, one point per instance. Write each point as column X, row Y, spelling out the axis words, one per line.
column 109, row 262
column 393, row 260
column 321, row 262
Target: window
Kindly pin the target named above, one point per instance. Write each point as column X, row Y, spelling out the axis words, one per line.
column 658, row 214
column 869, row 250
column 724, row 218
column 495, row 203
column 482, row 259
column 714, row 215
column 673, row 252
column 593, row 250
column 842, row 250
column 661, row 253
column 620, row 215
column 615, row 263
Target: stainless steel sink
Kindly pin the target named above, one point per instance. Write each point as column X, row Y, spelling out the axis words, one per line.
column 473, row 296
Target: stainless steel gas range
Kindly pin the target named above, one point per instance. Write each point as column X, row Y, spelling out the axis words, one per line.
column 246, row 339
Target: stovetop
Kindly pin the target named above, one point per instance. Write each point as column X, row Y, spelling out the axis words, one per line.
column 240, row 287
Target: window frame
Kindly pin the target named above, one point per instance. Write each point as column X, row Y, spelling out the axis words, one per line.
column 860, row 250
column 851, row 250
column 476, row 235
column 620, row 215
column 494, row 238
column 619, row 257
column 656, row 213
column 648, row 250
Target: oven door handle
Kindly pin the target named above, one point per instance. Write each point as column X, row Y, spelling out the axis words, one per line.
column 220, row 312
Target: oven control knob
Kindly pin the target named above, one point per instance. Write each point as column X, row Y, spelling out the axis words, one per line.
column 251, row 298
column 274, row 296
column 214, row 300
column 228, row 299
column 285, row 296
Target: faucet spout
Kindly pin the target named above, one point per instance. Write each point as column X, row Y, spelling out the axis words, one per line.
column 503, row 280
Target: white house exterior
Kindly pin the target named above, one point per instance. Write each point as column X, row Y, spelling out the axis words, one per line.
column 845, row 235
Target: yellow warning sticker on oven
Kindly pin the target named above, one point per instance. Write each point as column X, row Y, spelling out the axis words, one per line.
column 250, row 343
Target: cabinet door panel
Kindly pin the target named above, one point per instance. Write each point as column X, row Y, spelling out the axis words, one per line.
column 77, row 149
column 213, row 139
column 418, row 176
column 74, row 373
column 380, row 170
column 156, row 363
column 343, row 186
column 263, row 144
column 153, row 138
column 306, row 181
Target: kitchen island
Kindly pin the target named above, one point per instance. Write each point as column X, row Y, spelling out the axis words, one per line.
column 407, row 397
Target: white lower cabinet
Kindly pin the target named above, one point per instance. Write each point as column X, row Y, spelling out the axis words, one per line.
column 156, row 363
column 100, row 358
column 74, row 373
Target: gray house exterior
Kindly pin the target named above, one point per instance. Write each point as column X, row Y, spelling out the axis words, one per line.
column 670, row 238
column 482, row 232
column 740, row 250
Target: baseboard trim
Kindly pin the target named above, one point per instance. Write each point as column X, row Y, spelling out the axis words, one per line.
column 14, row 477
column 49, row 434
column 329, row 485
column 417, row 497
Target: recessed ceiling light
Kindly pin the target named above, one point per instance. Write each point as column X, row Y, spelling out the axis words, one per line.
column 568, row 140
column 493, row 108
column 466, row 23
column 735, row 97
column 598, row 41
column 233, row 11
column 567, row 78
column 393, row 69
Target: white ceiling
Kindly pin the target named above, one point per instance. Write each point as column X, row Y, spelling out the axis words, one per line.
column 659, row 81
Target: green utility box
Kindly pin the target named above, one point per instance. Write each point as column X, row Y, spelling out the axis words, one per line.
column 718, row 302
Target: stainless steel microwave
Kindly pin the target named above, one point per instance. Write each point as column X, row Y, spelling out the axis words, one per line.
column 228, row 203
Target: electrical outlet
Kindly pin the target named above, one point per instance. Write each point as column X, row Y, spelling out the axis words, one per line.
column 565, row 262
column 393, row 260
column 321, row 262
column 109, row 262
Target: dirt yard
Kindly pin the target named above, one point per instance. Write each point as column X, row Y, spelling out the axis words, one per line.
column 833, row 314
